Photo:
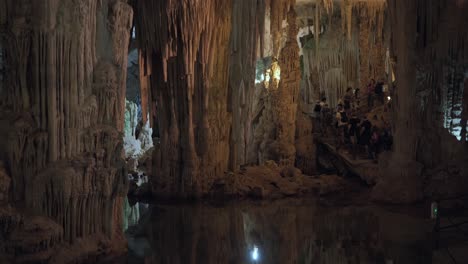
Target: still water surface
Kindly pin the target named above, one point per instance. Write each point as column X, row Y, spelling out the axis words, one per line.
column 288, row 231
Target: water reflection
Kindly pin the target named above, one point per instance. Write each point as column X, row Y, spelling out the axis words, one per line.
column 280, row 232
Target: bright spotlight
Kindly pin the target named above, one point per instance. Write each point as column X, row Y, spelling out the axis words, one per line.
column 389, row 98
column 255, row 254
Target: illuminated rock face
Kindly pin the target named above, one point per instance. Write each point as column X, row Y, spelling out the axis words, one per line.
column 284, row 100
column 202, row 66
column 65, row 95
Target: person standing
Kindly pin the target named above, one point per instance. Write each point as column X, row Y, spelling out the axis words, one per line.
column 317, row 117
column 327, row 119
column 357, row 99
column 365, row 134
column 353, row 133
column 379, row 93
column 348, row 97
column 342, row 126
column 374, row 143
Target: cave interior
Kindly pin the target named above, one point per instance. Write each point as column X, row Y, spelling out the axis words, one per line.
column 124, row 117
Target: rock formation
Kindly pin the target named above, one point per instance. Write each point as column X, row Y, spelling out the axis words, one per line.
column 203, row 100
column 275, row 134
column 64, row 100
column 189, row 60
column 220, row 82
column 429, row 47
column 350, row 50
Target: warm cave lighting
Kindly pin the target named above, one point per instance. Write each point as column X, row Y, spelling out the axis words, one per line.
column 389, row 98
column 254, row 254
column 277, row 74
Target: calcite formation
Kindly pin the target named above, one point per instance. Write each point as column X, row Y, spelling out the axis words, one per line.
column 350, row 51
column 65, row 92
column 189, row 88
column 283, row 102
column 203, row 101
column 429, row 48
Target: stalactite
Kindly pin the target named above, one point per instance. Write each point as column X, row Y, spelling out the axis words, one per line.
column 244, row 36
column 64, row 146
column 144, row 77
column 335, row 66
column 189, row 89
column 317, row 31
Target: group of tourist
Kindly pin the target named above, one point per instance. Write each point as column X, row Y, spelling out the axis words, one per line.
column 353, row 129
column 361, row 135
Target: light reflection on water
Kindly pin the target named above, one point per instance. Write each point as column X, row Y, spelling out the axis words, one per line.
column 293, row 231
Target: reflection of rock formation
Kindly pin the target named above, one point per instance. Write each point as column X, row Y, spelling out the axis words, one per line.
column 196, row 234
column 66, row 94
column 284, row 232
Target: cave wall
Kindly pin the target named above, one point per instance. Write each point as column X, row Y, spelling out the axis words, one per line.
column 64, row 101
column 429, row 45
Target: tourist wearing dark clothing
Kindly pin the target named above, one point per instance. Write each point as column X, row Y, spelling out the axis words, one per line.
column 342, row 126
column 353, row 127
column 379, row 93
column 347, row 99
column 387, row 138
column 365, row 135
column 326, row 119
column 374, row 143
column 357, row 100
column 354, row 133
column 316, row 118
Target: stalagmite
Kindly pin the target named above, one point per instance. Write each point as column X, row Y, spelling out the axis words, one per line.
column 276, row 138
column 67, row 93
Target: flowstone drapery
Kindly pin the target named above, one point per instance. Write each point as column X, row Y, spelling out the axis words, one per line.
column 64, row 101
